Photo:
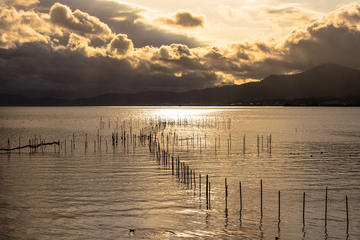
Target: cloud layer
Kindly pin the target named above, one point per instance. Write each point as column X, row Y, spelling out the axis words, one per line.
column 70, row 53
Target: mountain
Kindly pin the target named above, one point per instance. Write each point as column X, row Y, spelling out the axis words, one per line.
column 322, row 81
column 19, row 100
column 327, row 84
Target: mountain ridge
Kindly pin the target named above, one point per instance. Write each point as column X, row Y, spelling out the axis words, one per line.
column 335, row 83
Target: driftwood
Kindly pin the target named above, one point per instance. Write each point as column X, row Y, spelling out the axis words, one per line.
column 30, row 146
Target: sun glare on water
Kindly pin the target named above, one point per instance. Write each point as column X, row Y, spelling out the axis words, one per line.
column 182, row 112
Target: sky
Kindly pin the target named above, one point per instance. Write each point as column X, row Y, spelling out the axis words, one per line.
column 81, row 48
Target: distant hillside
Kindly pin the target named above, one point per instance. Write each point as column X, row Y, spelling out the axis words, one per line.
column 327, row 84
column 321, row 81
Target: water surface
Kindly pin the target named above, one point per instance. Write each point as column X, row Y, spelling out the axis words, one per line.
column 101, row 193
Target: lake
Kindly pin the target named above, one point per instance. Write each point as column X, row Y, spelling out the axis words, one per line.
column 103, row 190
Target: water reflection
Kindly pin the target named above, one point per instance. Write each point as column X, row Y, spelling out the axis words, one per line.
column 303, row 232
column 207, row 215
column 261, row 230
column 278, row 228
column 226, row 218
column 326, row 234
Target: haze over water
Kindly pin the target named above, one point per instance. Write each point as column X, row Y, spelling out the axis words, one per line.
column 101, row 194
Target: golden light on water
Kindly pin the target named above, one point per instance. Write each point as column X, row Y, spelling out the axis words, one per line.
column 183, row 112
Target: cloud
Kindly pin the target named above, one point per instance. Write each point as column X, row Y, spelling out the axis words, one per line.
column 289, row 15
column 121, row 45
column 19, row 26
column 81, row 44
column 184, row 19
column 79, row 22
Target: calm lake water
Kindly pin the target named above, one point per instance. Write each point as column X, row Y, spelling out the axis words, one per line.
column 102, row 192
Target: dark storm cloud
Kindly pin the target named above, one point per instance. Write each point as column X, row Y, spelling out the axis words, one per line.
column 184, row 19
column 37, row 68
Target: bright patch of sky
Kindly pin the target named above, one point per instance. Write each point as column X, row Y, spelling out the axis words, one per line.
column 241, row 20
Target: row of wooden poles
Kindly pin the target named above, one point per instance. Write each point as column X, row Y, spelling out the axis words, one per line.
column 186, row 175
column 203, row 122
column 279, row 205
column 182, row 171
column 154, row 124
column 125, row 133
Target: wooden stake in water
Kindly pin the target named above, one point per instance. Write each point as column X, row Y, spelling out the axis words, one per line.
column 98, row 136
column 347, row 215
column 261, row 199
column 326, row 200
column 207, row 191
column 194, row 174
column 279, row 207
column 190, row 176
column 304, row 209
column 230, row 141
column 244, row 144
column 184, row 173
column 209, row 195
column 226, row 195
column 270, row 142
column 241, row 203
column 200, row 185
column 205, row 141
column 215, row 145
